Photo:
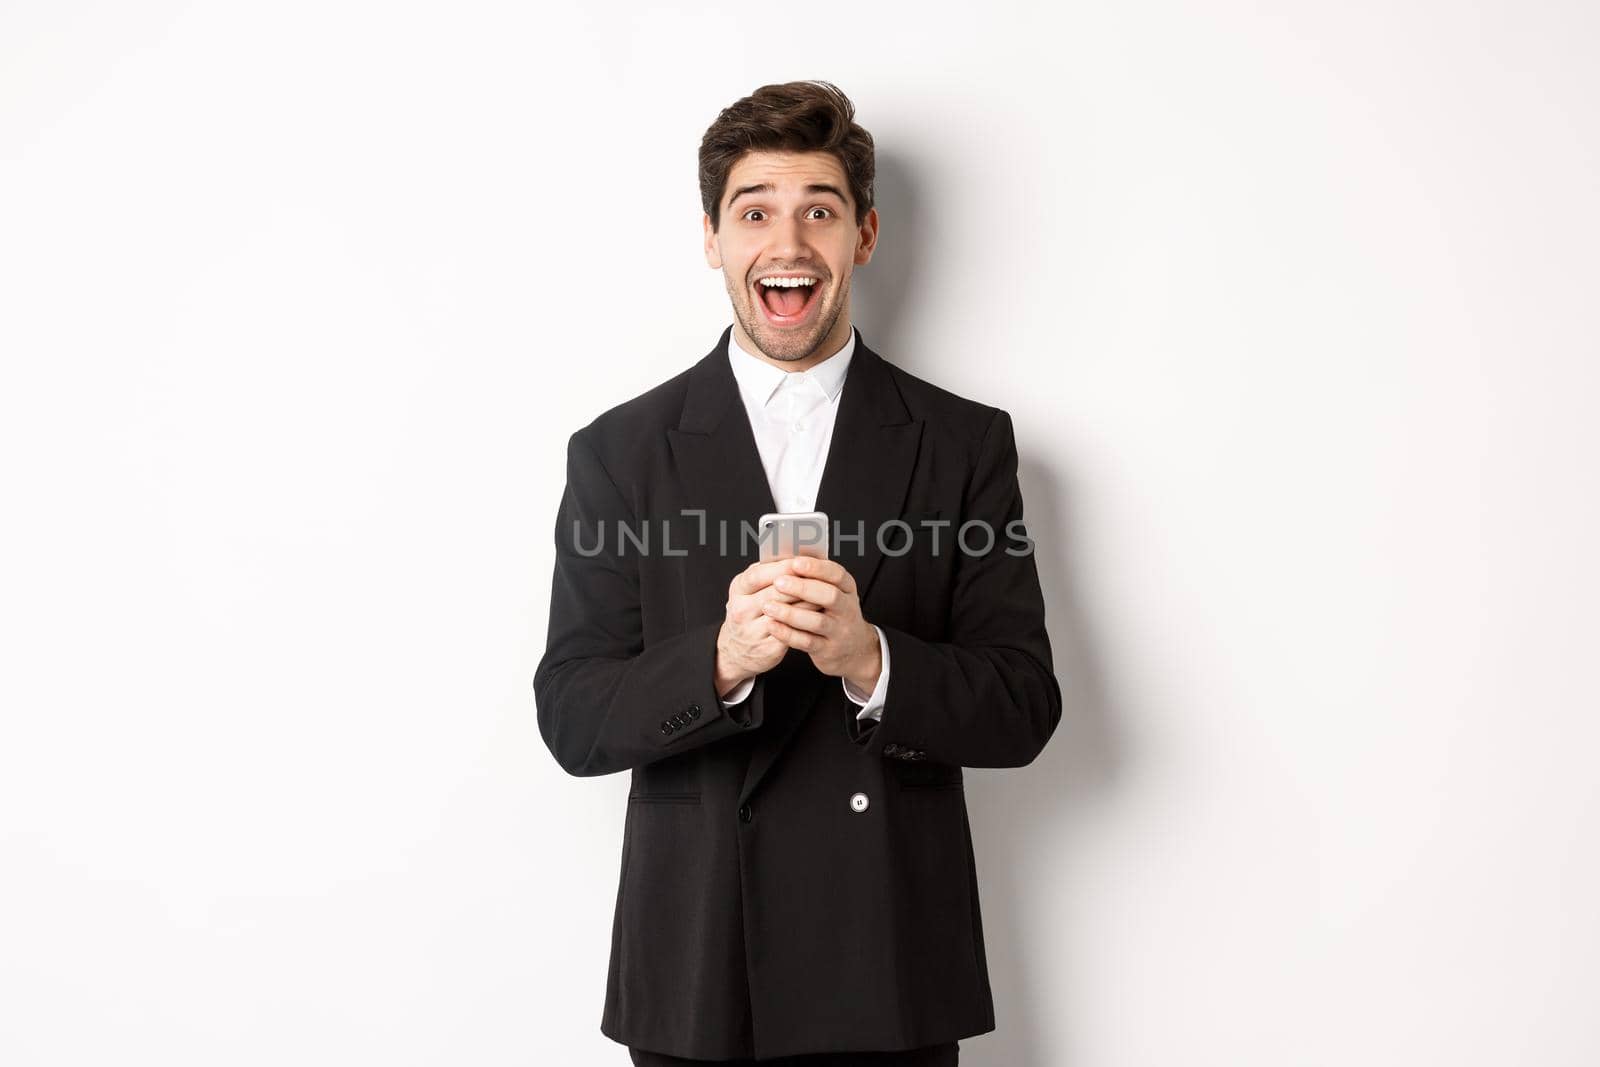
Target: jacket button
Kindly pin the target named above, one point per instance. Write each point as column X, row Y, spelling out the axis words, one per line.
column 858, row 802
column 694, row 711
column 666, row 727
column 744, row 813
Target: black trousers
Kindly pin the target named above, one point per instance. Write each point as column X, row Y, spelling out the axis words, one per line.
column 927, row 1056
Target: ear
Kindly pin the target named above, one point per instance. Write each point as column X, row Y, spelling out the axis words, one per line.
column 867, row 238
column 713, row 249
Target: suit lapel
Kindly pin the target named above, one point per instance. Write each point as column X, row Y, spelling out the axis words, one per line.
column 864, row 483
column 719, row 473
column 868, row 469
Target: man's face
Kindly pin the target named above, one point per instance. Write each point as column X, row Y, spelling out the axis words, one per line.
column 790, row 213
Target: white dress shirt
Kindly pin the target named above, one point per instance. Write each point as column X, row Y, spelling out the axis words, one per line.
column 792, row 415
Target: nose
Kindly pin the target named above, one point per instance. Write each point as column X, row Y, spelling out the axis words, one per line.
column 788, row 239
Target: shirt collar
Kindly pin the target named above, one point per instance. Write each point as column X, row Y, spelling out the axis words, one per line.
column 758, row 379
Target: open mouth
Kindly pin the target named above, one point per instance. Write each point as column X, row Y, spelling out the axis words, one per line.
column 788, row 303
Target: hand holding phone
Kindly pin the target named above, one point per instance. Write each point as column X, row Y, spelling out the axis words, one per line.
column 744, row 647
column 786, row 534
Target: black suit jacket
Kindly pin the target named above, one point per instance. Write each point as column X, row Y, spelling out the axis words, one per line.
column 759, row 912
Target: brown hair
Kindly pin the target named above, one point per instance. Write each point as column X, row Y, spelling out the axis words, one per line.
column 803, row 116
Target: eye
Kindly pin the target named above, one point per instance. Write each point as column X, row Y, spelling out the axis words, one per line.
column 828, row 210
column 754, row 210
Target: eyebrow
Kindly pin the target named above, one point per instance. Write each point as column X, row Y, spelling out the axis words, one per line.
column 766, row 187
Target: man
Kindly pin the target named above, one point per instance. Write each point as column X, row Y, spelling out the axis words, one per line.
column 797, row 874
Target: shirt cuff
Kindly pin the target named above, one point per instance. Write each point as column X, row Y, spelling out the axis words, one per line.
column 740, row 691
column 872, row 706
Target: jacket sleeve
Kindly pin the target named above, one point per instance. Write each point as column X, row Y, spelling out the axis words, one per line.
column 987, row 697
column 605, row 701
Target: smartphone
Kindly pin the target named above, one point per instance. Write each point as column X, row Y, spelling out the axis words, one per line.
column 782, row 534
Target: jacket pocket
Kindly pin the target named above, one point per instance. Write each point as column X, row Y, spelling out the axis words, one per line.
column 664, row 798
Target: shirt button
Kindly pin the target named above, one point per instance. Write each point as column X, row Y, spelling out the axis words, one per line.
column 858, row 802
column 744, row 813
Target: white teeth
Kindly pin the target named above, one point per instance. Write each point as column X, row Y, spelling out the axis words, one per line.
column 787, row 283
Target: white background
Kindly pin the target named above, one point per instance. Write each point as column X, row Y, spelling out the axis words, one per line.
column 1293, row 306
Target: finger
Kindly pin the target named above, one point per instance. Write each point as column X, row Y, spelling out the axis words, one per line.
column 748, row 581
column 818, row 592
column 759, row 576
column 792, row 637
column 827, row 570
column 772, row 568
column 772, row 592
column 800, row 618
column 744, row 608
